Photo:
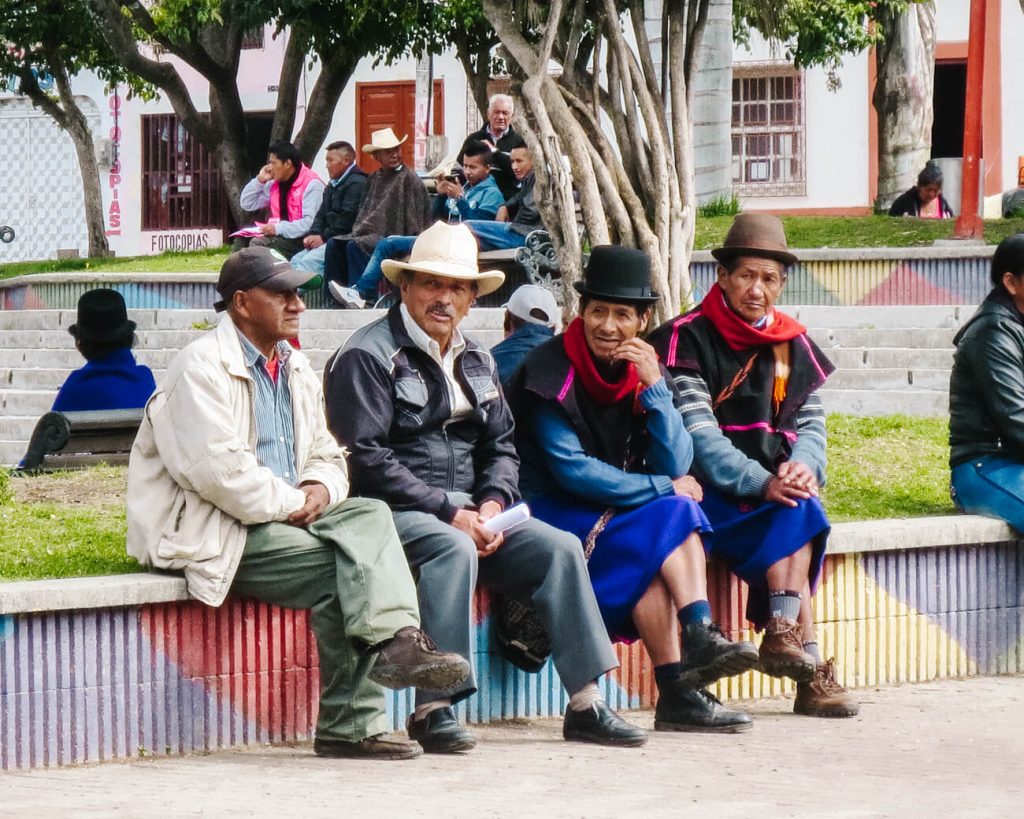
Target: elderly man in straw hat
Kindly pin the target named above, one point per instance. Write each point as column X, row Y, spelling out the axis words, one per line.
column 419, row 407
column 396, row 202
column 749, row 375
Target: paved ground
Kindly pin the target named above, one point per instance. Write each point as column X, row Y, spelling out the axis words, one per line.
column 946, row 749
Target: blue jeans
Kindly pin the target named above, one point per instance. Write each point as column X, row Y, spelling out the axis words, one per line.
column 495, row 235
column 311, row 260
column 392, row 247
column 991, row 486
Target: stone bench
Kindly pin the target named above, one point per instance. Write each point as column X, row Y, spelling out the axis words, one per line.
column 111, row 667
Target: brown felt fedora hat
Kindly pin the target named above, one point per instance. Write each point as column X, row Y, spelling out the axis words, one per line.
column 755, row 234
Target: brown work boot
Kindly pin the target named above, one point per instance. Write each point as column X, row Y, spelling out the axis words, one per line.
column 782, row 651
column 411, row 660
column 823, row 696
column 381, row 746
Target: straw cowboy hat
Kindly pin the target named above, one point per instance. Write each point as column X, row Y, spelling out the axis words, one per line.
column 383, row 140
column 446, row 250
column 755, row 234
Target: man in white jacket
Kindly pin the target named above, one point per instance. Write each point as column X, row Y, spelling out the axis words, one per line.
column 235, row 480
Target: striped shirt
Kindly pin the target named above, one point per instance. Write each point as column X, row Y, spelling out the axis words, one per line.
column 272, row 406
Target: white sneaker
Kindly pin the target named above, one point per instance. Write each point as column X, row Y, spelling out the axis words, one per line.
column 348, row 296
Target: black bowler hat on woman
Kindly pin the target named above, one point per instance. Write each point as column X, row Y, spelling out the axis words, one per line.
column 618, row 274
column 102, row 317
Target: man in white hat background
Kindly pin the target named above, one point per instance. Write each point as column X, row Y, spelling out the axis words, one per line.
column 532, row 316
column 235, row 480
column 418, row 405
column 396, row 202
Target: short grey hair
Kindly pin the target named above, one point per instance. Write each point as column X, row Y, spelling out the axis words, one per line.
column 501, row 98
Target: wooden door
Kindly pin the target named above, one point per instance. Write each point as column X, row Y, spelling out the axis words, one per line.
column 391, row 105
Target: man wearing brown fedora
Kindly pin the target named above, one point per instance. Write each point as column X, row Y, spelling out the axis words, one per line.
column 428, row 430
column 396, row 202
column 748, row 376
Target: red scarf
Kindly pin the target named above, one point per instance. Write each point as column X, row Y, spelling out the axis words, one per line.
column 583, row 362
column 739, row 334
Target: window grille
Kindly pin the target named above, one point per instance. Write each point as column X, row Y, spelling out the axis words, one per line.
column 181, row 185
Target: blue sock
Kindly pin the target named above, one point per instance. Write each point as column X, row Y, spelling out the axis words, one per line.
column 696, row 613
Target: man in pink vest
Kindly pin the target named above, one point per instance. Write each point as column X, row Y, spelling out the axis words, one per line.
column 291, row 191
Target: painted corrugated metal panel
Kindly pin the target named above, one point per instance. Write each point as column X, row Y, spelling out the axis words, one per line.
column 178, row 677
column 908, row 281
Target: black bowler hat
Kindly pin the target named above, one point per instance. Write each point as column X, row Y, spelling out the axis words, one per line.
column 618, row 274
column 102, row 317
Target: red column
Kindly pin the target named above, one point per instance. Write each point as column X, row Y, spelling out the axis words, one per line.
column 969, row 224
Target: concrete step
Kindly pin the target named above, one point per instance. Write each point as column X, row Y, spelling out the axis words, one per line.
column 489, row 318
column 886, row 402
column 24, row 378
column 890, row 379
column 11, row 452
column 26, row 402
column 890, row 358
column 897, row 317
column 929, row 339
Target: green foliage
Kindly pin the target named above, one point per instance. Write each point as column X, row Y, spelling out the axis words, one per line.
column 895, row 466
column 720, row 206
column 816, row 32
column 5, row 486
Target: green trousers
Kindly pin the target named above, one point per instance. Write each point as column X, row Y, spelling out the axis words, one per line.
column 349, row 569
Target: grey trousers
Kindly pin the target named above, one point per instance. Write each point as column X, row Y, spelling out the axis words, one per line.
column 536, row 562
column 349, row 570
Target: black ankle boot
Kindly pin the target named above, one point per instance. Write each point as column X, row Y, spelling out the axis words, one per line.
column 708, row 655
column 693, row 709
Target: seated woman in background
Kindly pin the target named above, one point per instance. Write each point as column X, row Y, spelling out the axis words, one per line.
column 110, row 378
column 925, row 199
column 986, row 396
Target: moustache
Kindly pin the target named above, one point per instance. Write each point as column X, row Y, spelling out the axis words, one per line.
column 437, row 307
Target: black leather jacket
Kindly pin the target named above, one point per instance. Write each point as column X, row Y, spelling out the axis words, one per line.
column 387, row 402
column 340, row 205
column 986, row 388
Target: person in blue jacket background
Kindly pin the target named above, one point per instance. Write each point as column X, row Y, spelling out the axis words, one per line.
column 111, row 378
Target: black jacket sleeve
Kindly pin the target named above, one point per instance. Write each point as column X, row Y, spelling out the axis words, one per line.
column 351, row 198
column 496, row 460
column 357, row 392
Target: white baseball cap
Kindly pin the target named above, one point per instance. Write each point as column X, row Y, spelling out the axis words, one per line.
column 536, row 305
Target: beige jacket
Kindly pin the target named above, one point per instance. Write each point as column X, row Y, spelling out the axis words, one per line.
column 194, row 485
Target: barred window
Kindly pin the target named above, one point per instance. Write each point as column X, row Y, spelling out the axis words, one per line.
column 768, row 150
column 253, row 37
column 181, row 186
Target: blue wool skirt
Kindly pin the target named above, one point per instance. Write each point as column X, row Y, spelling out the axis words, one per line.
column 629, row 551
column 751, row 536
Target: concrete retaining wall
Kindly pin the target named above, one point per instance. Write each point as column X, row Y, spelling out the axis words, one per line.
column 103, row 668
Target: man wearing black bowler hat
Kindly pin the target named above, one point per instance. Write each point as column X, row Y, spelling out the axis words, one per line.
column 605, row 456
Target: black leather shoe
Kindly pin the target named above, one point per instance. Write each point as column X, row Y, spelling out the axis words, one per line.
column 600, row 725
column 439, row 732
column 694, row 709
column 709, row 655
column 382, row 746
column 411, row 660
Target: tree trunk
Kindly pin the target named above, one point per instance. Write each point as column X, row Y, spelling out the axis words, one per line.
column 72, row 121
column 288, row 89
column 477, row 68
column 335, row 72
column 905, row 62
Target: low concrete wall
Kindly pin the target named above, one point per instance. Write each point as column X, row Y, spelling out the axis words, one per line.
column 102, row 668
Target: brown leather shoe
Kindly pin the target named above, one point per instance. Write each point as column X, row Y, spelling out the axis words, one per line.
column 782, row 651
column 823, row 696
column 381, row 746
column 411, row 660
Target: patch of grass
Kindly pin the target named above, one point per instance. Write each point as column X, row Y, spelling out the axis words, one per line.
column 203, row 261
column 64, row 524
column 73, row 523
column 896, row 466
column 721, row 206
column 857, row 231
